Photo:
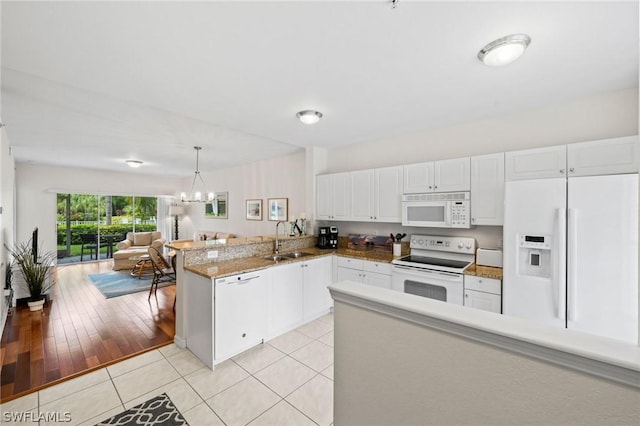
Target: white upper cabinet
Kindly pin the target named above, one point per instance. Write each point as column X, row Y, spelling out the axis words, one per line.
column 418, row 178
column 324, row 197
column 603, row 157
column 388, row 194
column 487, row 189
column 362, row 194
column 332, row 196
column 376, row 195
column 594, row 158
column 438, row 176
column 538, row 163
column 452, row 175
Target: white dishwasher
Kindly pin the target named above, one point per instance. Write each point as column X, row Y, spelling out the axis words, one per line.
column 240, row 313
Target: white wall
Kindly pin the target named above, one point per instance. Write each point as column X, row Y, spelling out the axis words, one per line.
column 7, row 222
column 389, row 371
column 38, row 185
column 605, row 116
column 282, row 177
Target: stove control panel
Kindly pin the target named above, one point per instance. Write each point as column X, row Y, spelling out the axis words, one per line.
column 449, row 244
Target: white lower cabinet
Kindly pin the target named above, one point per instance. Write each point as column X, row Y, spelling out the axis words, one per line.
column 316, row 278
column 285, row 298
column 298, row 293
column 364, row 271
column 240, row 313
column 483, row 293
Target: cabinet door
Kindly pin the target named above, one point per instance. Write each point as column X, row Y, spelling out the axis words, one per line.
column 418, row 178
column 452, row 175
column 388, row 195
column 538, row 163
column 604, row 157
column 349, row 274
column 341, row 198
column 487, row 189
column 377, row 279
column 317, row 276
column 483, row 301
column 240, row 314
column 285, row 298
column 361, row 188
column 324, row 197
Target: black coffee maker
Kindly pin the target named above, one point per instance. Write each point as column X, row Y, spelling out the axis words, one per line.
column 328, row 237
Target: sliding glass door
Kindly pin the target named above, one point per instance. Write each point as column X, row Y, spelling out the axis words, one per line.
column 90, row 226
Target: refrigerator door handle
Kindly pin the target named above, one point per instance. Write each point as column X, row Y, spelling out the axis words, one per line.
column 560, row 262
column 572, row 264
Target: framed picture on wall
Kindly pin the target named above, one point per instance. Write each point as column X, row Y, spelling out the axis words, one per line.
column 278, row 208
column 254, row 209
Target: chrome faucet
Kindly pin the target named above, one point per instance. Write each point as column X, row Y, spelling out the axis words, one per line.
column 278, row 243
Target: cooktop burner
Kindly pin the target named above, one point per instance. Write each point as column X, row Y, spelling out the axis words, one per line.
column 433, row 261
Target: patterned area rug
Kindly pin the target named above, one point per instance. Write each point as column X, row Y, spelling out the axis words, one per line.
column 113, row 283
column 158, row 411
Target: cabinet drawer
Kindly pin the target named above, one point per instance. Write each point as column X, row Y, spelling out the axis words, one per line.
column 488, row 285
column 348, row 262
column 379, row 267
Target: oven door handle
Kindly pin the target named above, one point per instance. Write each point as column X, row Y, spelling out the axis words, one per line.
column 449, row 276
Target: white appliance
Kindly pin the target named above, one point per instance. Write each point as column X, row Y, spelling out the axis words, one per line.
column 571, row 251
column 434, row 269
column 437, row 210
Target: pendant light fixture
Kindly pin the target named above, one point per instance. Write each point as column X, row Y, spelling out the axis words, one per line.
column 504, row 50
column 197, row 187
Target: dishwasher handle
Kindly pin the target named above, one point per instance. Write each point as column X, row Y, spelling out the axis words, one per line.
column 238, row 279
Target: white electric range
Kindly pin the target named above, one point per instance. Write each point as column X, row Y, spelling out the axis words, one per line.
column 435, row 267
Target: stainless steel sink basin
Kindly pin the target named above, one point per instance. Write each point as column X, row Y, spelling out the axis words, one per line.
column 275, row 258
column 285, row 256
column 296, row 254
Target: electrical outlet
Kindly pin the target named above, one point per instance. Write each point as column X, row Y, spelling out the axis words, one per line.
column 212, row 254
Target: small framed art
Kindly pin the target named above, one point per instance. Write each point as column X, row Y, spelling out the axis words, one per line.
column 254, row 209
column 278, row 208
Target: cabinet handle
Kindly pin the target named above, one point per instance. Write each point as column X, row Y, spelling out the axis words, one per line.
column 435, row 187
column 572, row 170
column 562, row 171
column 430, row 187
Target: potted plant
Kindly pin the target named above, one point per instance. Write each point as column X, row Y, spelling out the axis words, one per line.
column 36, row 272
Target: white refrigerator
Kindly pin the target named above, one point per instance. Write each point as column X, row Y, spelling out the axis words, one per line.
column 571, row 253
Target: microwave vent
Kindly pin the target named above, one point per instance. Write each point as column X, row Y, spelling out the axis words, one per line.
column 437, row 196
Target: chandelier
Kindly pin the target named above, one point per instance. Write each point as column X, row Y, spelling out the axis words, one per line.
column 197, row 187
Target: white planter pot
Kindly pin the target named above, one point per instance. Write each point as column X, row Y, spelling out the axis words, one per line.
column 36, row 306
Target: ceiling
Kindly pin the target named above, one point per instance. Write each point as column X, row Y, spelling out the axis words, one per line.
column 90, row 84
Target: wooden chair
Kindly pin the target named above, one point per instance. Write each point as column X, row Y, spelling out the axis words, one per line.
column 162, row 271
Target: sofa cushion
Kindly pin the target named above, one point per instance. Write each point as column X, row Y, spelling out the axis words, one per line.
column 142, row 239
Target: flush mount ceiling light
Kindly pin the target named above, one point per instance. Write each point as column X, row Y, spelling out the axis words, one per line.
column 197, row 187
column 133, row 163
column 504, row 50
column 309, row 116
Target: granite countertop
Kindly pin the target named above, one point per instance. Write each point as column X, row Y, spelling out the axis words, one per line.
column 248, row 264
column 484, row 271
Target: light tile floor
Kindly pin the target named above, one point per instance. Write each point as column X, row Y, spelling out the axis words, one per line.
column 285, row 381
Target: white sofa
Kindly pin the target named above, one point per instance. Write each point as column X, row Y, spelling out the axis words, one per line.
column 135, row 244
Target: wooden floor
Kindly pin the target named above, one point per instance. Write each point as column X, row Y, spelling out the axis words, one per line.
column 80, row 331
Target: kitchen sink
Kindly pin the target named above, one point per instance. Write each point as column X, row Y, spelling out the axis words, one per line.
column 296, row 254
column 285, row 256
column 275, row 258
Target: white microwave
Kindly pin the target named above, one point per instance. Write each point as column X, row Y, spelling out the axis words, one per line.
column 437, row 210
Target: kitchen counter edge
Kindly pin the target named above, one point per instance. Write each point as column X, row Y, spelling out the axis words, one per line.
column 248, row 264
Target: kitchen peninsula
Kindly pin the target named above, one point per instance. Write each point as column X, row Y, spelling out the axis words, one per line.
column 233, row 294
